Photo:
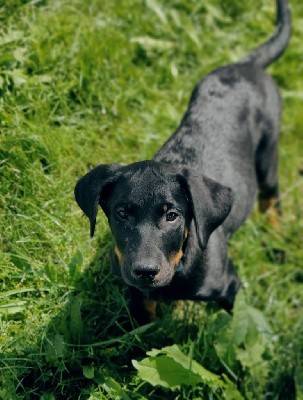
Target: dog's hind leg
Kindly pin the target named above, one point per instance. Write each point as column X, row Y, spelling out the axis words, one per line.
column 267, row 176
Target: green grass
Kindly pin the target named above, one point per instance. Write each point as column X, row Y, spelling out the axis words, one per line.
column 89, row 82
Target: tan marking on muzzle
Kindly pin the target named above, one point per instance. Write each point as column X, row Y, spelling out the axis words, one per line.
column 119, row 254
column 150, row 306
column 270, row 207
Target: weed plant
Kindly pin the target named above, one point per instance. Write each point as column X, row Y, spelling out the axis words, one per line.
column 84, row 82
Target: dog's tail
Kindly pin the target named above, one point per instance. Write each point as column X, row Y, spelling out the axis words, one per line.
column 273, row 48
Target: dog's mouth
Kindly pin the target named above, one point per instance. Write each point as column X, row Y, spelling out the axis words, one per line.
column 152, row 285
column 148, row 281
column 149, row 285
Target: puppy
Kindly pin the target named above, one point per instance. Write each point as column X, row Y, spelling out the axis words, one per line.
column 171, row 217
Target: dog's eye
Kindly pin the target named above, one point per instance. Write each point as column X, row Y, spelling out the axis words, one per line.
column 171, row 216
column 122, row 214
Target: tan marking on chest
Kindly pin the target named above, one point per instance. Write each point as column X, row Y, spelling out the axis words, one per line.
column 150, row 306
column 118, row 254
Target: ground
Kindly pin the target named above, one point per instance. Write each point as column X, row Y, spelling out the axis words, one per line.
column 89, row 82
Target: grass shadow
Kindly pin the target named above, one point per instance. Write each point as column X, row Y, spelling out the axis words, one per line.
column 93, row 338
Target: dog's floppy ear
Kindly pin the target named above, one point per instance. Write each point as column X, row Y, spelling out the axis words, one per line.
column 92, row 187
column 210, row 201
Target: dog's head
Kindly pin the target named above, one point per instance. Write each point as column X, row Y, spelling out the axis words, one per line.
column 150, row 206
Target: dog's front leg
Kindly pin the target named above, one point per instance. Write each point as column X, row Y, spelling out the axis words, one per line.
column 143, row 310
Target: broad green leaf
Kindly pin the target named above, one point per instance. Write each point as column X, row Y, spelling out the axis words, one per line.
column 169, row 367
column 222, row 336
column 112, row 387
column 226, row 350
column 248, row 323
column 55, row 349
column 251, row 356
column 59, row 345
column 88, row 371
column 240, row 322
column 243, row 339
column 260, row 322
column 231, row 392
column 165, row 372
column 186, row 362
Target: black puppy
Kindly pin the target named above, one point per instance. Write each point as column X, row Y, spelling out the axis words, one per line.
column 171, row 217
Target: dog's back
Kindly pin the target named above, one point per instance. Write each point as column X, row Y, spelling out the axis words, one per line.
column 231, row 128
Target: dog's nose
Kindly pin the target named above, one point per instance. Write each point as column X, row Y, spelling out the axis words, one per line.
column 145, row 272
